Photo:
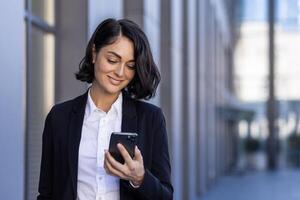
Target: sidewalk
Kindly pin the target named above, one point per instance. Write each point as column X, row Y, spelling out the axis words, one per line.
column 278, row 185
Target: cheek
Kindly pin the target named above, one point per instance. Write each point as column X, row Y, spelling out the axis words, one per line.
column 101, row 68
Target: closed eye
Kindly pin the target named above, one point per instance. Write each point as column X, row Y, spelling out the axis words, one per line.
column 131, row 67
column 112, row 61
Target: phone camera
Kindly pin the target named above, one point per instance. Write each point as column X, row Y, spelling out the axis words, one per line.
column 130, row 138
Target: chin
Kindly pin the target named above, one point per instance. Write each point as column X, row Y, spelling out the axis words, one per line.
column 112, row 89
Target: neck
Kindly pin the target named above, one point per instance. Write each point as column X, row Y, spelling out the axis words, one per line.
column 102, row 99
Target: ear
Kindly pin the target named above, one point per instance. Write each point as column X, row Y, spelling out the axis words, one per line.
column 94, row 54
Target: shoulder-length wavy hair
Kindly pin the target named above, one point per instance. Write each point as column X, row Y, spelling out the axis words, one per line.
column 147, row 76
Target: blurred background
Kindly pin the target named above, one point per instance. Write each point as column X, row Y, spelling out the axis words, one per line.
column 229, row 90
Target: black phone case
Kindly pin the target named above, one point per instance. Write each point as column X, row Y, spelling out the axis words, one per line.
column 128, row 140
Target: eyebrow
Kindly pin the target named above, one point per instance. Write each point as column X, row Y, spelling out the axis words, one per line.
column 117, row 55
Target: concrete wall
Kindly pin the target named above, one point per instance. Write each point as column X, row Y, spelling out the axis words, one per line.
column 12, row 100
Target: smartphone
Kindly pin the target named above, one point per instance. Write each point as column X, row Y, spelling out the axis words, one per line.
column 128, row 140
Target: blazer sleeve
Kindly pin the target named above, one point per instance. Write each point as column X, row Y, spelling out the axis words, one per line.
column 157, row 180
column 46, row 170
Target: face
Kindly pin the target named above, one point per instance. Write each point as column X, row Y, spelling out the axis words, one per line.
column 114, row 66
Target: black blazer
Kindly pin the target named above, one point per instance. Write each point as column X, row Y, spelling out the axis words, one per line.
column 61, row 138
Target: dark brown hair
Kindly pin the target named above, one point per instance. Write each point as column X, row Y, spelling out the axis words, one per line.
column 147, row 76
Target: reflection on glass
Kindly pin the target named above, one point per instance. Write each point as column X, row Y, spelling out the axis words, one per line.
column 287, row 82
column 250, row 81
column 251, row 53
column 44, row 9
column 287, row 40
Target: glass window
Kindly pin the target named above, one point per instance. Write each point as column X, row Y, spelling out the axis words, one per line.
column 43, row 67
column 287, row 43
column 287, row 82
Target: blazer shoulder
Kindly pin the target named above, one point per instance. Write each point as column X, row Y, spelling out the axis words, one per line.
column 66, row 106
column 148, row 108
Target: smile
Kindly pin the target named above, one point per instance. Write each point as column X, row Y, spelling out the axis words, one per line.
column 114, row 81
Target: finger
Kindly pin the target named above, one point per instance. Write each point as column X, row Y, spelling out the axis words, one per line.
column 108, row 166
column 115, row 164
column 112, row 171
column 126, row 156
column 137, row 154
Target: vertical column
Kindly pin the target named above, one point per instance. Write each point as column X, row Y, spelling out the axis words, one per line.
column 166, row 65
column 13, row 99
column 271, row 104
column 152, row 28
column 70, row 45
column 202, row 160
column 198, row 91
column 191, row 84
column 134, row 10
column 177, row 92
column 211, row 96
column 208, row 64
column 217, row 98
column 213, row 171
column 185, row 130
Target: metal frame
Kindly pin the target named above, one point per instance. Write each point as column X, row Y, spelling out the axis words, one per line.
column 39, row 22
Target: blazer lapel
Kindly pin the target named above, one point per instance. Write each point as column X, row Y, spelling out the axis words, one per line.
column 74, row 136
column 129, row 124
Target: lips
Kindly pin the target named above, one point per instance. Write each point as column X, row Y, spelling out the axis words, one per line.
column 114, row 81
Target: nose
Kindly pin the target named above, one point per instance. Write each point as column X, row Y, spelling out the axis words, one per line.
column 120, row 70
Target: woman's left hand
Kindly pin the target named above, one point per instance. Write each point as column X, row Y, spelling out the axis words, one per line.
column 132, row 170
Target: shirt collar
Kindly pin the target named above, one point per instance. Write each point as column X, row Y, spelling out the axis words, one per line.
column 115, row 108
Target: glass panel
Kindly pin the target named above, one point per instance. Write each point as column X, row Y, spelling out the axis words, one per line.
column 40, row 98
column 287, row 40
column 251, row 53
column 251, row 84
column 44, row 9
column 287, row 82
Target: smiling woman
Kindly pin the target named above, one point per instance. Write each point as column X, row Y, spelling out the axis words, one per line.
column 108, row 34
column 113, row 68
column 75, row 161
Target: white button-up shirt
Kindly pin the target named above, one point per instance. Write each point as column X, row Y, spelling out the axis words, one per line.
column 93, row 183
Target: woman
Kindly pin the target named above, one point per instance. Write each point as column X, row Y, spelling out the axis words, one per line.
column 75, row 162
